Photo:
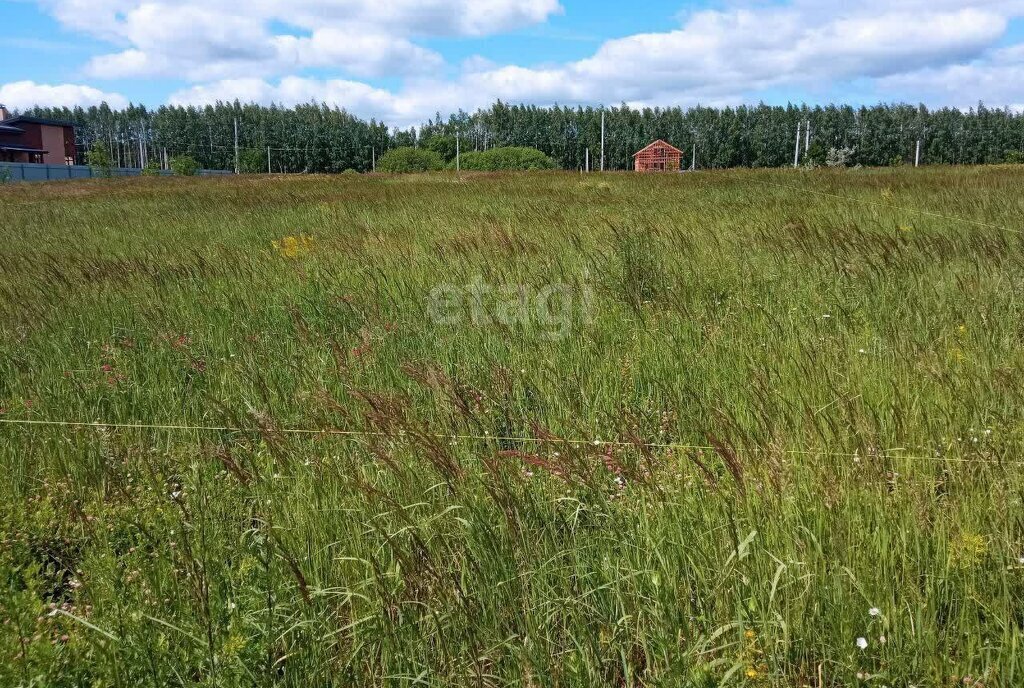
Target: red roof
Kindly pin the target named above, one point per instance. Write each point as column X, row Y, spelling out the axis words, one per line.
column 658, row 142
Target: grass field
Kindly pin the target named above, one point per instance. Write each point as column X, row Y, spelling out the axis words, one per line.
column 744, row 428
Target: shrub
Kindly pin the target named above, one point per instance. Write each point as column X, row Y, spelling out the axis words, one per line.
column 152, row 169
column 252, row 161
column 510, row 158
column 406, row 159
column 444, row 146
column 98, row 158
column 1015, row 157
column 840, row 157
column 184, row 166
column 816, row 154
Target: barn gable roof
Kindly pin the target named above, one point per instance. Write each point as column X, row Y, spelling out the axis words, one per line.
column 659, row 142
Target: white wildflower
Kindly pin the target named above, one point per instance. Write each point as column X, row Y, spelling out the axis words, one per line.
column 862, row 643
column 874, row 611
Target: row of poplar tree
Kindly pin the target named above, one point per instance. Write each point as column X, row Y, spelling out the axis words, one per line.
column 318, row 138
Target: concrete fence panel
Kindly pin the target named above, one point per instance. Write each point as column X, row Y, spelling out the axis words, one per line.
column 29, row 172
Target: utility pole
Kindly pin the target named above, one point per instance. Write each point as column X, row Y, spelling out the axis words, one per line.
column 586, row 161
column 602, row 140
column 917, row 154
column 796, row 155
column 807, row 138
column 238, row 168
column 693, row 160
column 142, row 150
column 268, row 160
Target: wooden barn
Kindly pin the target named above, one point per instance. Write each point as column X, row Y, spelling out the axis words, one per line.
column 658, row 157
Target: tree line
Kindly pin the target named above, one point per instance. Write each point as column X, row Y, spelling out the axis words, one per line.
column 319, row 138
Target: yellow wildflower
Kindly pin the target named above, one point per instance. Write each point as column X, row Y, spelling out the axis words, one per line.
column 967, row 550
column 293, row 246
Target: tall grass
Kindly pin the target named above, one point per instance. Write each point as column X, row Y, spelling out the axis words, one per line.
column 791, row 418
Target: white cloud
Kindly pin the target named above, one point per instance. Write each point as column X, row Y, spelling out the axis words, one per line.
column 203, row 40
column 416, row 17
column 20, row 95
column 363, row 54
column 729, row 54
column 995, row 79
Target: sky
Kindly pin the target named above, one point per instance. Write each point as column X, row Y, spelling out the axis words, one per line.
column 402, row 61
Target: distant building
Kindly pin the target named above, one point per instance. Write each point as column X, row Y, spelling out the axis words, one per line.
column 36, row 140
column 658, row 157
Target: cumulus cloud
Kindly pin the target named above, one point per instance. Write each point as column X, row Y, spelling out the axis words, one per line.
column 211, row 39
column 728, row 54
column 20, row 95
column 995, row 79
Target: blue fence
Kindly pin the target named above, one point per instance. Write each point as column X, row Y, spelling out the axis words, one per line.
column 28, row 172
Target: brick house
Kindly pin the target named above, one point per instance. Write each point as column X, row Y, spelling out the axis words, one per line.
column 36, row 140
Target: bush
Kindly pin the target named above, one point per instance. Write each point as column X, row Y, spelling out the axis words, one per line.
column 184, row 166
column 511, row 158
column 98, row 158
column 406, row 159
column 152, row 169
column 252, row 161
column 1015, row 157
column 840, row 157
column 445, row 146
column 816, row 154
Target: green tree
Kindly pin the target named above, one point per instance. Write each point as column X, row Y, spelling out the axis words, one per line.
column 443, row 145
column 252, row 161
column 98, row 158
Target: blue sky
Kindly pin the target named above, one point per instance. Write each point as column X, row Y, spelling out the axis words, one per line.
column 403, row 60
